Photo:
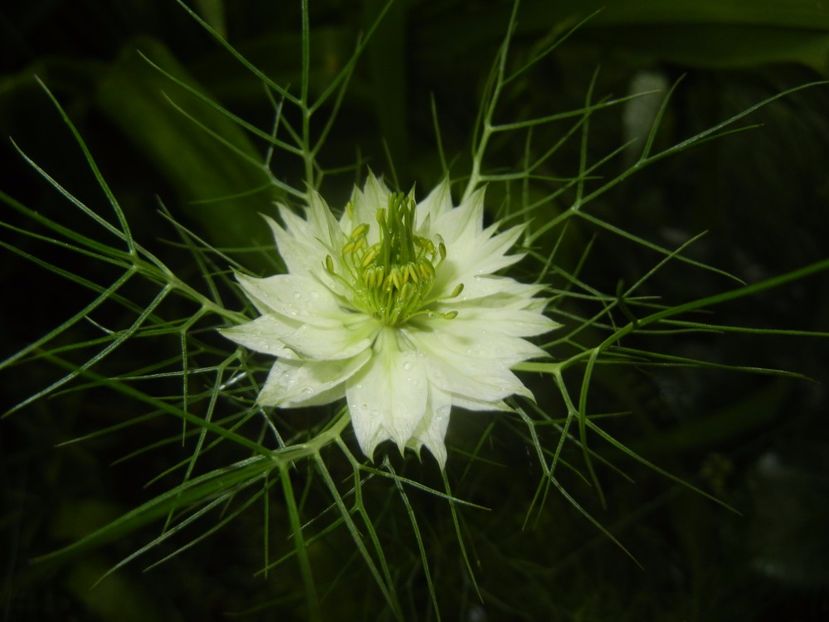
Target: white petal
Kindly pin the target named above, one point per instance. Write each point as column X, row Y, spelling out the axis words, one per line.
column 309, row 383
column 438, row 202
column 364, row 206
column 387, row 398
column 258, row 335
column 488, row 337
column 322, row 223
column 477, row 405
column 485, row 253
column 297, row 226
column 301, row 254
column 465, row 220
column 272, row 334
column 474, row 257
column 509, row 321
column 484, row 286
column 295, row 297
column 503, row 293
column 431, row 431
column 492, row 252
column 453, row 368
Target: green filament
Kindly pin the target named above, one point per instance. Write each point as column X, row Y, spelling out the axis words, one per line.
column 392, row 278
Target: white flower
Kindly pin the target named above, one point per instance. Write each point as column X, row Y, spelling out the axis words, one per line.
column 395, row 307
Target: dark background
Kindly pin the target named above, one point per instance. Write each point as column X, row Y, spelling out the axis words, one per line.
column 757, row 442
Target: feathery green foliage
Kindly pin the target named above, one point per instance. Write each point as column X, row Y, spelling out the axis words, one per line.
column 323, row 515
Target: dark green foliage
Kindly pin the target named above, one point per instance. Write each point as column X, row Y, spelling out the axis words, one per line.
column 756, row 441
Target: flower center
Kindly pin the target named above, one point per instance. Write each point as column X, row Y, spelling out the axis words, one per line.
column 392, row 278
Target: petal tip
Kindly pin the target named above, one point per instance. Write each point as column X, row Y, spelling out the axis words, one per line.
column 438, row 450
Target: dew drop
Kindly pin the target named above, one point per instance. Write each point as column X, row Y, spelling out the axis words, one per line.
column 297, row 295
column 407, row 366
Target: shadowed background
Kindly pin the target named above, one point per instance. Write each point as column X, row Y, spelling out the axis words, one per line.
column 757, row 442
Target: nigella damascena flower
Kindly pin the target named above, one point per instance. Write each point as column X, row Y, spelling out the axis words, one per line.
column 397, row 308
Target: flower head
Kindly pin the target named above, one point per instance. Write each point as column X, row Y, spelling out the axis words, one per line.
column 396, row 307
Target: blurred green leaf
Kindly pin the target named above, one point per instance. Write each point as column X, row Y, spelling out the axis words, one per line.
column 713, row 429
column 724, row 45
column 213, row 12
column 387, row 61
column 714, row 33
column 119, row 598
column 142, row 102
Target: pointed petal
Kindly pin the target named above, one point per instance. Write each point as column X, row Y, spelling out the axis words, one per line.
column 301, row 253
column 464, row 220
column 364, row 206
column 488, row 321
column 293, row 296
column 454, row 368
column 507, row 290
column 387, row 398
column 259, row 336
column 474, row 256
column 479, row 406
column 279, row 336
column 322, row 223
column 297, row 226
column 487, row 337
column 293, row 384
column 431, row 431
column 484, row 253
column 437, row 202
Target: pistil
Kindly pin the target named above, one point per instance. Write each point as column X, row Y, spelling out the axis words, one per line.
column 392, row 278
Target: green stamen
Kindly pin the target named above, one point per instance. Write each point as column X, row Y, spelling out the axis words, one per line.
column 392, row 279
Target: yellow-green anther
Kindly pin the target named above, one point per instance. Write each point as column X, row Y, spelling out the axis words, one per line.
column 406, row 292
column 392, row 278
column 395, row 278
column 449, row 315
column 370, row 256
column 427, row 270
column 376, row 275
column 329, row 264
column 457, row 291
column 426, row 245
column 360, row 231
